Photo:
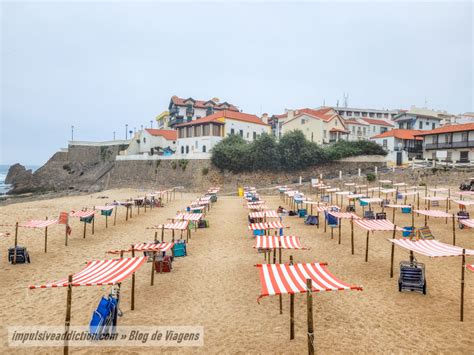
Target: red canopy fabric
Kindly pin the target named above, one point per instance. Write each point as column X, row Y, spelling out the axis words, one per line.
column 266, row 225
column 182, row 225
column 82, row 214
column 100, row 272
column 104, row 208
column 470, row 267
column 262, row 214
column 38, row 223
column 376, row 224
column 277, row 242
column 431, row 248
column 279, row 279
column 188, row 217
column 467, row 222
column 344, row 215
column 434, row 213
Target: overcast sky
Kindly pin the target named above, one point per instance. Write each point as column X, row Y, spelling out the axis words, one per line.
column 98, row 66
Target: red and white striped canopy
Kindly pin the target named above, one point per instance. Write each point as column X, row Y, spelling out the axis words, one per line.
column 325, row 208
column 258, row 207
column 343, row 193
column 400, row 184
column 398, row 206
column 262, row 214
column 345, row 215
column 388, row 191
column 100, row 272
column 153, row 246
column 124, row 203
column 188, row 217
column 354, row 196
column 38, row 223
column 371, row 200
column 464, row 202
column 439, row 189
column 409, row 193
column 334, row 189
column 82, row 214
column 470, row 267
column 376, row 224
column 434, row 213
column 431, row 248
column 255, row 203
column 464, row 193
column 435, row 198
column 467, row 222
column 279, row 279
column 182, row 225
column 385, row 181
column 104, row 208
column 277, row 242
column 266, row 225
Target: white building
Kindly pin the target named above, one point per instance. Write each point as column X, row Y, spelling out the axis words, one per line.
column 377, row 126
column 358, row 130
column 455, row 142
column 400, row 144
column 153, row 142
column 197, row 138
column 185, row 110
column 351, row 113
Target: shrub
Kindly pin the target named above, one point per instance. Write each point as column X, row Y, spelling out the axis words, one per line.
column 371, row 177
column 183, row 163
column 174, row 165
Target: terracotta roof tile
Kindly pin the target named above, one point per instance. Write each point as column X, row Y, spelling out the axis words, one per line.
column 168, row 134
column 449, row 129
column 400, row 134
column 238, row 116
column 202, row 104
column 377, row 122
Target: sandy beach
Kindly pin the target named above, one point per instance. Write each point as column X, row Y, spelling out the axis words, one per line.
column 216, row 286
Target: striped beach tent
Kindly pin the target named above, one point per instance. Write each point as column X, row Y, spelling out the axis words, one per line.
column 277, row 242
column 433, row 249
column 266, row 225
column 281, row 279
column 96, row 273
column 195, row 217
column 173, row 226
column 439, row 214
column 264, row 214
column 470, row 267
column 372, row 225
column 85, row 215
column 467, row 222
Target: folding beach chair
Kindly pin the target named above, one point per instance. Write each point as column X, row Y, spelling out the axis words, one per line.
column 332, row 221
column 406, row 209
column 408, row 232
column 380, row 215
column 384, row 203
column 369, row 215
column 425, row 233
column 434, row 203
column 350, row 208
column 312, row 220
column 412, row 277
column 22, row 256
column 179, row 248
column 104, row 318
column 163, row 264
column 462, row 215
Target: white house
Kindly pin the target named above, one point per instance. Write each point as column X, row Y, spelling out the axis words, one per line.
column 358, row 129
column 181, row 110
column 197, row 138
column 453, row 142
column 421, row 119
column 354, row 113
column 400, row 144
column 153, row 141
column 377, row 126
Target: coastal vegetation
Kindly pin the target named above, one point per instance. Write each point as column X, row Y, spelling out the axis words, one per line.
column 292, row 152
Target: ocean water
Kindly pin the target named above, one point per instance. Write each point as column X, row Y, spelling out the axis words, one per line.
column 3, row 174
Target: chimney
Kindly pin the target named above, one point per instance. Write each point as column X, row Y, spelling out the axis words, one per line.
column 289, row 114
column 265, row 117
column 216, row 100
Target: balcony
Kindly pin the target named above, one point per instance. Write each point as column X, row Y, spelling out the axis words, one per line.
column 176, row 121
column 452, row 145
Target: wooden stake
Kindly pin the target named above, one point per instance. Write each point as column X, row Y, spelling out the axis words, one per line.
column 132, row 302
column 352, row 235
column 67, row 322
column 367, row 247
column 393, row 252
column 153, row 269
column 340, row 220
column 93, row 224
column 454, row 229
column 16, row 242
column 463, row 266
column 84, row 233
column 309, row 312
column 281, row 298
column 162, row 232
column 115, row 214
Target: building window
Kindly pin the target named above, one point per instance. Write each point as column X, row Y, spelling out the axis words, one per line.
column 464, row 136
column 182, row 149
column 349, row 113
column 357, row 114
column 379, row 115
column 353, row 129
column 187, row 149
column 144, row 140
column 303, row 121
column 383, row 129
column 373, row 128
column 241, row 132
column 196, row 144
column 206, row 130
column 433, row 126
column 385, row 115
column 371, row 114
column 232, row 131
column 248, row 134
column 464, row 156
column 335, row 122
column 384, row 143
column 420, row 125
column 204, row 149
column 209, row 111
column 324, row 133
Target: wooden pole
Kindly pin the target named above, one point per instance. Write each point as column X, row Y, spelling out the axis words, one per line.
column 115, row 214
column 66, row 232
column 463, row 266
column 84, row 233
column 93, row 224
column 106, row 221
column 367, row 247
column 340, row 223
column 16, row 242
column 132, row 301
column 67, row 322
column 292, row 309
column 352, row 235
column 309, row 312
column 446, row 211
column 393, row 215
column 393, row 252
column 153, row 269
column 46, row 238
column 281, row 298
column 454, row 229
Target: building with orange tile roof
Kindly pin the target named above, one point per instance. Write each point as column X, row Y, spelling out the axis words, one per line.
column 400, row 144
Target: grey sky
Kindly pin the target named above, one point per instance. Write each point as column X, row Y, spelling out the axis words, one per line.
column 98, row 66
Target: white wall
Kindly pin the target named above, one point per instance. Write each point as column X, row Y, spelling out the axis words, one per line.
column 246, row 127
column 195, row 145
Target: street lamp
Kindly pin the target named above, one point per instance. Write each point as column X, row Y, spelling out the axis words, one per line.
column 114, row 135
column 126, row 131
column 72, row 133
column 151, row 123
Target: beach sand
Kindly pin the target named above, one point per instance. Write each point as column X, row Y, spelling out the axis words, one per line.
column 216, row 286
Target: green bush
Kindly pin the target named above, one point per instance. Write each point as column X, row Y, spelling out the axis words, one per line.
column 292, row 152
column 174, row 165
column 183, row 163
column 371, row 177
